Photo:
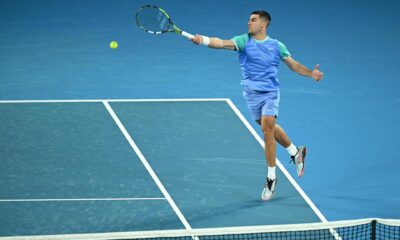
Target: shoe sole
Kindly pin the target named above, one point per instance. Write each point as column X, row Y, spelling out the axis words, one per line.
column 303, row 159
column 268, row 198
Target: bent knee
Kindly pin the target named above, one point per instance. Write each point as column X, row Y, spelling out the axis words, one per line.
column 268, row 126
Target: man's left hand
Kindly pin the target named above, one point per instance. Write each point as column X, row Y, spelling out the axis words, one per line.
column 316, row 74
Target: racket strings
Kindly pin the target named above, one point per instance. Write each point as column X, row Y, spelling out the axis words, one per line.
column 153, row 20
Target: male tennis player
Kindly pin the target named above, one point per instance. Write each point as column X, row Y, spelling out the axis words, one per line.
column 259, row 57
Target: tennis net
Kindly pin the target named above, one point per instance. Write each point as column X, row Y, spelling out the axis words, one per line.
column 362, row 229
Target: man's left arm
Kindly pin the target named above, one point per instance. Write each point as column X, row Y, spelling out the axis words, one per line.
column 299, row 68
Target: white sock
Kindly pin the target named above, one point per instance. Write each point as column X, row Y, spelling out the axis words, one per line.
column 292, row 150
column 271, row 172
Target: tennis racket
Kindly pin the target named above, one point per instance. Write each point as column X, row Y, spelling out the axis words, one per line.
column 155, row 20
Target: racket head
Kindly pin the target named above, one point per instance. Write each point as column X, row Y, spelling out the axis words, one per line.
column 153, row 19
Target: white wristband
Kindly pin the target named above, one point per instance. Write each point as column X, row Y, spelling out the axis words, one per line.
column 206, row 40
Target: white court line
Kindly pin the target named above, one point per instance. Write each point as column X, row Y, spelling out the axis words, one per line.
column 79, row 199
column 147, row 166
column 278, row 163
column 116, row 100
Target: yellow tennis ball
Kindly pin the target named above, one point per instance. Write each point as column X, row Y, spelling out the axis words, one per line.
column 113, row 44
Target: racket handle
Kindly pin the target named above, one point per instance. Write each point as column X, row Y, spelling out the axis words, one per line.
column 186, row 34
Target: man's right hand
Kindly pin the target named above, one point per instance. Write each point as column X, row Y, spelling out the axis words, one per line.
column 197, row 39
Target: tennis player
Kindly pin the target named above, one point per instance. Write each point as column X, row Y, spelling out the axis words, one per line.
column 259, row 58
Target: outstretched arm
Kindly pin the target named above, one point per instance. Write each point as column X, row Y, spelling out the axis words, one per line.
column 214, row 42
column 302, row 70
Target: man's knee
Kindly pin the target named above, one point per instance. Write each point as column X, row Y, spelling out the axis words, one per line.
column 268, row 126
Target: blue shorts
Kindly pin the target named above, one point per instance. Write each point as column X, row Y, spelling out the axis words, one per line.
column 262, row 103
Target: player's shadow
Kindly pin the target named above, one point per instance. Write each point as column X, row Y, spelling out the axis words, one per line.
column 224, row 211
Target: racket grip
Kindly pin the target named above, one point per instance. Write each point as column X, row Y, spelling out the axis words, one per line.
column 186, row 34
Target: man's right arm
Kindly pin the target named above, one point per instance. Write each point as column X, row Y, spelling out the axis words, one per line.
column 215, row 42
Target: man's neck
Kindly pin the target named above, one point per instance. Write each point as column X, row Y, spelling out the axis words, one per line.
column 260, row 36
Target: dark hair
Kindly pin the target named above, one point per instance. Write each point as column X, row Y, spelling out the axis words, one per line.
column 263, row 14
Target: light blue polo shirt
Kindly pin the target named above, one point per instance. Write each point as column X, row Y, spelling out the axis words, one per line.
column 259, row 61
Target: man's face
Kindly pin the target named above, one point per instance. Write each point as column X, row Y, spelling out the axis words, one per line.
column 256, row 24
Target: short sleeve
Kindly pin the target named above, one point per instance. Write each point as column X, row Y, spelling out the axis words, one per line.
column 240, row 41
column 283, row 51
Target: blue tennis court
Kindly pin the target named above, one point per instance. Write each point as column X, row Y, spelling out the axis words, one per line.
column 99, row 166
column 155, row 135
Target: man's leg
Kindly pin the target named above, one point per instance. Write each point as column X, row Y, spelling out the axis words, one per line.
column 280, row 135
column 268, row 128
column 297, row 154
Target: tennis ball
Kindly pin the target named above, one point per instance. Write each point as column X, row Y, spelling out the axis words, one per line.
column 113, row 44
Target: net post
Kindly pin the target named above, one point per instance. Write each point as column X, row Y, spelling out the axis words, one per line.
column 373, row 229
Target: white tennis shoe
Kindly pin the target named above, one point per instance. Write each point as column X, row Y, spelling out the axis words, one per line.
column 299, row 159
column 269, row 189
